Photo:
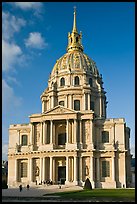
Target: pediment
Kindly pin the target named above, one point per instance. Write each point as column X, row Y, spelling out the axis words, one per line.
column 59, row 110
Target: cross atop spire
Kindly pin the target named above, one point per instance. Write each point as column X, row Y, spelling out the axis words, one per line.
column 74, row 22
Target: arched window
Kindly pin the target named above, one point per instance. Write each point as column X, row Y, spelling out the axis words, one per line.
column 62, row 81
column 61, row 103
column 76, row 39
column 76, row 81
column 24, row 140
column 77, row 105
column 90, row 82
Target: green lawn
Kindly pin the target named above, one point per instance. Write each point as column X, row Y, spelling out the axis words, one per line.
column 126, row 194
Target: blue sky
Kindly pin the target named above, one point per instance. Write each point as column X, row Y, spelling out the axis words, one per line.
column 34, row 36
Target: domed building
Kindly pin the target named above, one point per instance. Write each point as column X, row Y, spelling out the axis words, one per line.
column 72, row 139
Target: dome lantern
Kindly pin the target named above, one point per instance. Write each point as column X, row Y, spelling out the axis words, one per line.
column 74, row 39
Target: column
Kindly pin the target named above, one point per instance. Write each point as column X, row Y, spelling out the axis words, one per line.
column 81, row 129
column 98, row 169
column 54, row 133
column 69, row 101
column 52, row 98
column 19, row 137
column 88, row 101
column 51, row 131
column 75, row 168
column 49, row 102
column 103, row 112
column 67, row 169
column 28, row 169
column 67, row 131
column 80, row 160
column 75, row 130
column 51, row 168
column 66, row 104
column 31, row 133
column 91, row 169
column 43, row 169
column 16, row 170
column 72, row 101
column 43, row 106
column 84, row 101
column 113, row 168
column 100, row 104
column 30, row 173
column 41, row 136
column 44, row 135
column 91, row 131
column 31, row 170
column 54, row 167
column 72, row 165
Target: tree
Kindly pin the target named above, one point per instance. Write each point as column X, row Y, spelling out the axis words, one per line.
column 87, row 184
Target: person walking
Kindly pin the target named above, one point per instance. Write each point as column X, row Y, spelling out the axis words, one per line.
column 28, row 187
column 20, row 188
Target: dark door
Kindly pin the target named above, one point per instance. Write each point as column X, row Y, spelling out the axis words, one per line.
column 62, row 174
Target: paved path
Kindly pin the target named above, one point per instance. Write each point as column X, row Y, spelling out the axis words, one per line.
column 37, row 191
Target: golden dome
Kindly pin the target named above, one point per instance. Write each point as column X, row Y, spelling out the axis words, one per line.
column 75, row 61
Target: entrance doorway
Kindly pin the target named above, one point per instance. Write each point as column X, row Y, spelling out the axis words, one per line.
column 62, row 174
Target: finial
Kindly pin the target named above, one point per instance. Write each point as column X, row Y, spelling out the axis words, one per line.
column 74, row 23
column 75, row 9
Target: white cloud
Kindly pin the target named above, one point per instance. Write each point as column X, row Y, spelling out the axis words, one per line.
column 4, row 151
column 11, row 54
column 10, row 25
column 28, row 5
column 9, row 100
column 35, row 40
column 12, row 80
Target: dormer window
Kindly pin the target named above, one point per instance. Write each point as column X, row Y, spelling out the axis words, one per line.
column 61, row 103
column 90, row 82
column 76, row 81
column 62, row 81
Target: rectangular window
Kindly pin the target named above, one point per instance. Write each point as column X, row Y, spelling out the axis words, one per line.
column 105, row 136
column 105, row 169
column 23, row 169
column 76, row 105
column 86, row 101
column 24, row 140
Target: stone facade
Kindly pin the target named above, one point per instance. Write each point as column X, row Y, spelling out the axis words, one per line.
column 71, row 139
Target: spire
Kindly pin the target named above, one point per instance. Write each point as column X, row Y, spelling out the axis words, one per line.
column 74, row 39
column 74, row 22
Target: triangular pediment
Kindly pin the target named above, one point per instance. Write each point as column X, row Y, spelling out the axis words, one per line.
column 59, row 110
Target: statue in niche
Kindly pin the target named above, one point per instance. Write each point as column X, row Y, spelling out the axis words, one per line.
column 37, row 171
column 86, row 170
